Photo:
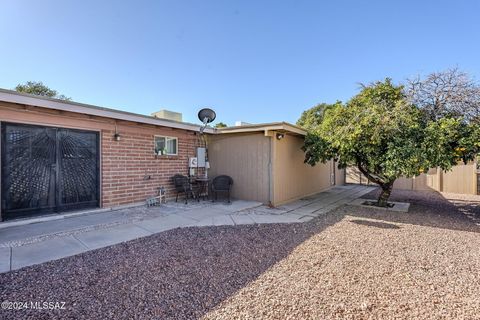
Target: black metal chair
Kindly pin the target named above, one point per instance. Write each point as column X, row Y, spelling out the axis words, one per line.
column 182, row 185
column 221, row 183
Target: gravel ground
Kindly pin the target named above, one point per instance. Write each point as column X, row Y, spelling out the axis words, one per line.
column 178, row 274
column 455, row 207
column 374, row 264
column 355, row 262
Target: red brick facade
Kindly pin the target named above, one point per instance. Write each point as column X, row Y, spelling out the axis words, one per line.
column 130, row 170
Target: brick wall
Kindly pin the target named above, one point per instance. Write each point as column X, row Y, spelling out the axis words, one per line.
column 125, row 164
column 131, row 172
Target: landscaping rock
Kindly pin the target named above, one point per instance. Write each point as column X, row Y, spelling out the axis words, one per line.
column 352, row 263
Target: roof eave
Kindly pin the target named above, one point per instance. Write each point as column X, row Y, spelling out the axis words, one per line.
column 43, row 102
column 275, row 126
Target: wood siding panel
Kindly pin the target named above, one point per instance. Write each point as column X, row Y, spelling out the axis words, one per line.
column 339, row 176
column 353, row 175
column 461, row 179
column 293, row 178
column 403, row 183
column 244, row 157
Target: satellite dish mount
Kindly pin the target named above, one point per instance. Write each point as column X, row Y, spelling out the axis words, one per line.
column 206, row 115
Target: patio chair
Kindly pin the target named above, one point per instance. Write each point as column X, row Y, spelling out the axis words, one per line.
column 182, row 185
column 223, row 184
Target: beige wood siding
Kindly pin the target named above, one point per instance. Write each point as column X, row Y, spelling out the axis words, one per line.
column 461, row 179
column 293, row 178
column 339, row 176
column 244, row 157
column 403, row 183
column 353, row 175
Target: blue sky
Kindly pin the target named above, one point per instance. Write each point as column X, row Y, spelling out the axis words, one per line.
column 255, row 61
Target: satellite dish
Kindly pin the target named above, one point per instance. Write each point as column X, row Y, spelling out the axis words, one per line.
column 206, row 115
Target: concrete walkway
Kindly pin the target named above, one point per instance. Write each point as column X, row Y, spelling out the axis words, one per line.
column 36, row 243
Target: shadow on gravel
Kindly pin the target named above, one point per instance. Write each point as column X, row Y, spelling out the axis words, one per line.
column 178, row 274
column 429, row 209
column 382, row 225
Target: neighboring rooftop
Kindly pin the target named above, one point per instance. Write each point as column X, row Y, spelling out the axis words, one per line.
column 167, row 114
column 241, row 123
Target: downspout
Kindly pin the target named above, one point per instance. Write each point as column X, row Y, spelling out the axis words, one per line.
column 271, row 152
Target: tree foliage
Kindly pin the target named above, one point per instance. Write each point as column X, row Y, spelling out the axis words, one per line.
column 449, row 93
column 383, row 134
column 312, row 117
column 39, row 89
column 220, row 125
column 449, row 141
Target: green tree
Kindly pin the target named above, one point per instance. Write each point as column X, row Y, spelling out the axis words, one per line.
column 312, row 117
column 39, row 89
column 386, row 137
column 220, row 125
column 451, row 140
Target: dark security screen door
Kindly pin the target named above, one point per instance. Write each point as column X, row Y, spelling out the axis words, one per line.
column 47, row 169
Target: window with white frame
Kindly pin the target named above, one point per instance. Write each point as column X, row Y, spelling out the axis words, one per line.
column 166, row 145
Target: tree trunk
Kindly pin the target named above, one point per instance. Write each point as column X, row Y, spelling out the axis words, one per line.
column 386, row 186
column 385, row 194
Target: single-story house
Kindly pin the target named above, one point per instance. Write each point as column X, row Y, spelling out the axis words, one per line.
column 267, row 163
column 60, row 155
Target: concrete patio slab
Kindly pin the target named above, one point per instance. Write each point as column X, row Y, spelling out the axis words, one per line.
column 397, row 206
column 242, row 219
column 310, row 208
column 106, row 217
column 5, row 258
column 223, row 220
column 52, row 217
column 294, row 205
column 55, row 226
column 264, row 218
column 303, row 214
column 237, row 205
column 165, row 223
column 300, row 218
column 103, row 238
column 45, row 251
column 44, row 241
column 36, row 229
column 346, row 186
column 203, row 213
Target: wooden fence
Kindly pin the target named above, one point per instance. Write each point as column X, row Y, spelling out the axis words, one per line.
column 464, row 179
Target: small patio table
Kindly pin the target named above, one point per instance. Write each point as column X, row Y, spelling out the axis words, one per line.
column 203, row 183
